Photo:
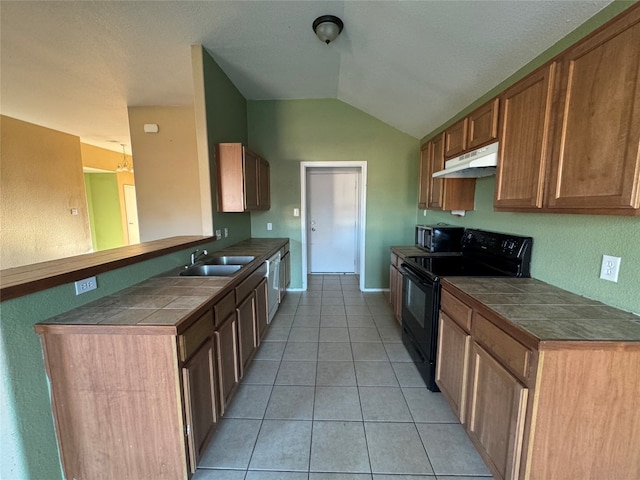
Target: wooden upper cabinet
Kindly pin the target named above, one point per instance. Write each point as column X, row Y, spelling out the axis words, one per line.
column 243, row 179
column 436, row 192
column 264, row 188
column 525, row 120
column 455, row 138
column 478, row 128
column 251, row 180
column 596, row 147
column 442, row 193
column 425, row 181
column 483, row 125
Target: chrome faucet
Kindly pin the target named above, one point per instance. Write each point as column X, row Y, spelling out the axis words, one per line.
column 196, row 254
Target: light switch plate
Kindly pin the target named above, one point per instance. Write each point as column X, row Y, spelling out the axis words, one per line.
column 269, row 226
column 610, row 268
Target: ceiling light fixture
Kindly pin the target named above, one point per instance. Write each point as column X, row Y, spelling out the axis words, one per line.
column 327, row 28
column 124, row 166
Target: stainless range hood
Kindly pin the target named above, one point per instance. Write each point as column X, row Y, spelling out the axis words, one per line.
column 479, row 163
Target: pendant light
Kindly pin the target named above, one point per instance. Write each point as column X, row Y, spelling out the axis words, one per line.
column 124, row 165
column 327, row 28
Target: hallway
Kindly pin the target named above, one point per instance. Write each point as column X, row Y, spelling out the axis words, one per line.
column 332, row 395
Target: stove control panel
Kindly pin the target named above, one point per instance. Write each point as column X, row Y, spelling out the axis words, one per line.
column 496, row 244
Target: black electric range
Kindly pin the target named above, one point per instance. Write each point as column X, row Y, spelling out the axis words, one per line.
column 482, row 254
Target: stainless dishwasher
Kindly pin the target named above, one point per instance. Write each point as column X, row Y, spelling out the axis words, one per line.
column 273, row 279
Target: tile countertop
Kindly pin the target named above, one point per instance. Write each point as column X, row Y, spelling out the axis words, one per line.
column 167, row 299
column 550, row 313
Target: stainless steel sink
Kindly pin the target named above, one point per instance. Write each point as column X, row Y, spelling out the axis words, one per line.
column 211, row 270
column 229, row 260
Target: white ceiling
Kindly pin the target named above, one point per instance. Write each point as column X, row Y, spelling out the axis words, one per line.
column 75, row 66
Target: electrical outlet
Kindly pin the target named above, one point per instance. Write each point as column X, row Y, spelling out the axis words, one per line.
column 610, row 268
column 269, row 226
column 424, row 213
column 226, row 232
column 86, row 285
column 218, row 234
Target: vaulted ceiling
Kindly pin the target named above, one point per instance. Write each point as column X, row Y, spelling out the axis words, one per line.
column 76, row 66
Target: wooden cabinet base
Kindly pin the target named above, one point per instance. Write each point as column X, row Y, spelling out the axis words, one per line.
column 116, row 404
column 540, row 410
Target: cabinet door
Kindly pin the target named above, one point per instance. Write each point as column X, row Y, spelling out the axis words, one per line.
column 285, row 267
column 436, row 163
column 395, row 291
column 245, row 314
column 262, row 310
column 597, row 136
column 251, row 165
column 227, row 352
column 455, row 138
column 425, row 178
column 483, row 125
column 230, row 173
column 443, row 193
column 199, row 387
column 497, row 406
column 264, row 191
column 398, row 302
column 525, row 122
column 452, row 364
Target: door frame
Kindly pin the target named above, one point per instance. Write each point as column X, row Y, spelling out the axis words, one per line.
column 361, row 168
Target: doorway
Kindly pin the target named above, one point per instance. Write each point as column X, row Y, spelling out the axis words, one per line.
column 131, row 213
column 333, row 205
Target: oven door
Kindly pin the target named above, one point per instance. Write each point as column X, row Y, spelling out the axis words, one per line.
column 420, row 303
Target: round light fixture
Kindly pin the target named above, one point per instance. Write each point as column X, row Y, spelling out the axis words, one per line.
column 327, row 28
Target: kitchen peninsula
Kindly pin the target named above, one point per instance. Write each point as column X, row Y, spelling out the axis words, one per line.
column 172, row 348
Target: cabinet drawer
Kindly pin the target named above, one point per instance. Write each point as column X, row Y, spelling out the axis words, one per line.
column 224, row 308
column 509, row 351
column 456, row 310
column 247, row 286
column 195, row 335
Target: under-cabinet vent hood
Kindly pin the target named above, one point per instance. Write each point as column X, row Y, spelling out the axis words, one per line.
column 479, row 163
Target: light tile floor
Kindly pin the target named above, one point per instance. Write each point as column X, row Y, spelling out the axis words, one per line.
column 332, row 395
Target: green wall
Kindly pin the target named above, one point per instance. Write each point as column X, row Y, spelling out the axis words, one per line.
column 226, row 122
column 27, row 436
column 567, row 249
column 606, row 14
column 27, row 422
column 287, row 132
column 104, row 210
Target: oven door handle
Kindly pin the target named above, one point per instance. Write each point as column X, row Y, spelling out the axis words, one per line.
column 406, row 270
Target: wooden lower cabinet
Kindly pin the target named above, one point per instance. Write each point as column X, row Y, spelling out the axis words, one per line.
column 452, row 364
column 395, row 287
column 226, row 338
column 199, row 382
column 539, row 409
column 497, row 406
column 116, row 400
column 262, row 310
column 246, row 315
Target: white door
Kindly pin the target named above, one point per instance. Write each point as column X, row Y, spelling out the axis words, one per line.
column 332, row 219
column 131, row 211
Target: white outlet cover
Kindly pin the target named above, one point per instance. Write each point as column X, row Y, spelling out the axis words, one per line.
column 610, row 268
column 269, row 226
